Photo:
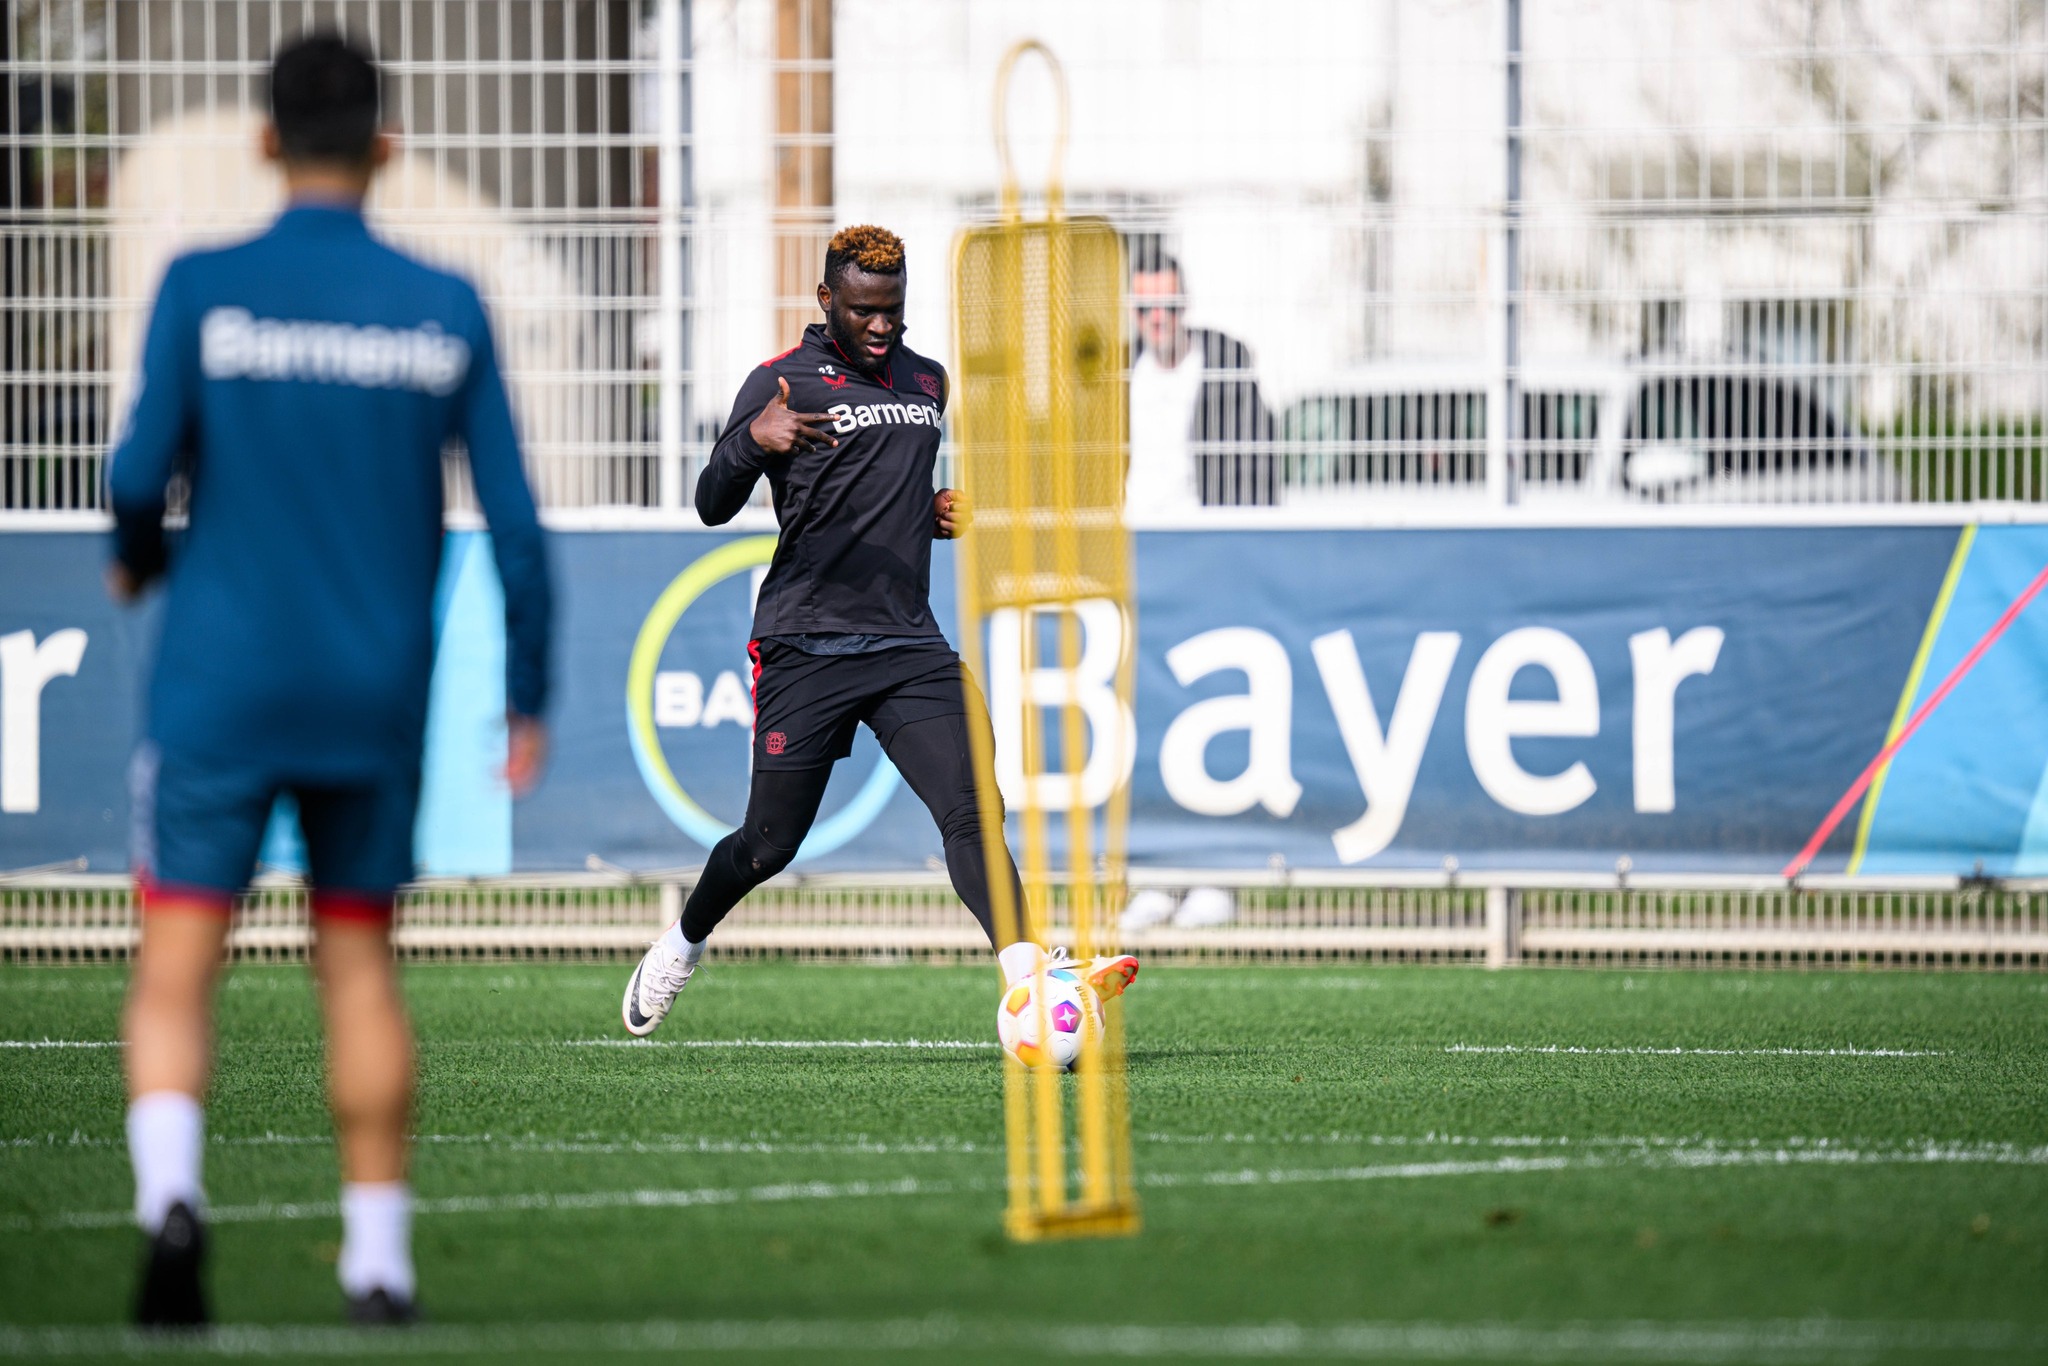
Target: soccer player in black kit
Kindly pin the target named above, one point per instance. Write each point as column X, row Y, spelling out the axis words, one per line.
column 845, row 426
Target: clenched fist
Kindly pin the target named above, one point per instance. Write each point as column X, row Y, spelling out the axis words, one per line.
column 950, row 514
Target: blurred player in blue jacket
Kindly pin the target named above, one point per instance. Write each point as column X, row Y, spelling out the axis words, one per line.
column 304, row 384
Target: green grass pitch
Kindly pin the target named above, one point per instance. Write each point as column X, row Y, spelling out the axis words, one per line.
column 1340, row 1163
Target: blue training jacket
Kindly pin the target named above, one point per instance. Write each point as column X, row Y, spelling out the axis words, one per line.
column 307, row 382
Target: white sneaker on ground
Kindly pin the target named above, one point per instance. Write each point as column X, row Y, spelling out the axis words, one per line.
column 1146, row 908
column 1205, row 908
column 661, row 976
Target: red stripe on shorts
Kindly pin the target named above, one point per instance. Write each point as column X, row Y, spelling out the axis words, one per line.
column 152, row 895
column 360, row 907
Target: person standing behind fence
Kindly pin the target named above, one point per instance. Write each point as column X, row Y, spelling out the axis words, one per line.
column 1200, row 435
column 304, row 384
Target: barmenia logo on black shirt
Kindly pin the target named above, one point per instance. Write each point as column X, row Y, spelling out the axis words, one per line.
column 849, row 417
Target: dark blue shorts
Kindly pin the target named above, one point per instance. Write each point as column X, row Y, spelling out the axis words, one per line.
column 199, row 826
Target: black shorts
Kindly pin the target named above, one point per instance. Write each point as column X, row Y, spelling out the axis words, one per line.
column 807, row 706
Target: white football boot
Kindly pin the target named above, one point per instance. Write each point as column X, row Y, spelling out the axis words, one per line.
column 655, row 984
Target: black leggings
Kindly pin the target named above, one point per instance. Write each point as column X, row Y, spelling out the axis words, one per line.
column 934, row 758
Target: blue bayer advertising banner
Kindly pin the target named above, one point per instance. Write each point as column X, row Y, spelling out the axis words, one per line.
column 1692, row 699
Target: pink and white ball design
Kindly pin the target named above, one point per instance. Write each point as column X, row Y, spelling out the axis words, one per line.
column 1073, row 1014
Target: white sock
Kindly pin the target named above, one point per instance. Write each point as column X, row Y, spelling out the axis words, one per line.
column 166, row 1138
column 376, row 1238
column 1019, row 961
column 691, row 951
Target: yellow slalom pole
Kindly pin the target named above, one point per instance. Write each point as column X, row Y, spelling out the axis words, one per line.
column 1039, row 427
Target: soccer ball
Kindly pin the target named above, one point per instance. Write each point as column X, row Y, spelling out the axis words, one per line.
column 1073, row 1013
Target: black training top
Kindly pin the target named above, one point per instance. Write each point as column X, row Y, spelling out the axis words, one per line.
column 856, row 518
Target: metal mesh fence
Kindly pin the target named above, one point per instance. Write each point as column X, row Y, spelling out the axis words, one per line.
column 526, row 164
column 1749, row 250
column 1990, row 927
column 1629, row 254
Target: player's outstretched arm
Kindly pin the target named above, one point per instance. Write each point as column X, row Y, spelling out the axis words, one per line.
column 158, row 427
column 763, row 432
column 519, row 546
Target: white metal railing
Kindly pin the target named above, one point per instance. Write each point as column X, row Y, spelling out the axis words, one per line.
column 1496, row 920
column 1763, row 251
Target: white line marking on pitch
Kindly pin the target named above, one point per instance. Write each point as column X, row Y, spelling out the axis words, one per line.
column 281, row 1212
column 664, row 1145
column 1393, row 1172
column 1789, row 1341
column 1786, row 1340
column 977, row 1045
column 777, row 1043
column 1698, row 1051
column 1691, row 1149
column 864, row 1044
column 60, row 1043
column 1626, row 1141
column 855, row 1147
column 1668, row 1159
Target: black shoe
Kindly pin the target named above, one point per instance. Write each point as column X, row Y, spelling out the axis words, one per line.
column 171, row 1296
column 381, row 1309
